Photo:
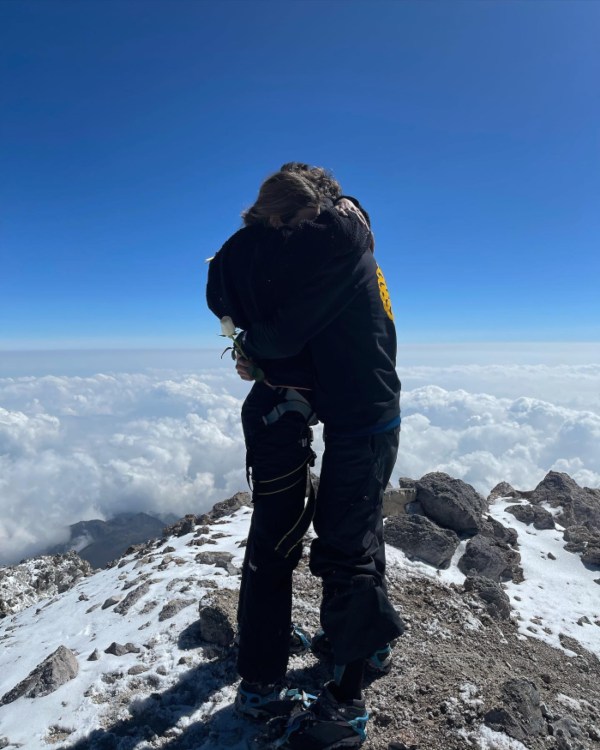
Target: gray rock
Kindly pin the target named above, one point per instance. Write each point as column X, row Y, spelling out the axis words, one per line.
column 491, row 559
column 39, row 578
column 111, row 601
column 495, row 530
column 591, row 557
column 215, row 625
column 580, row 506
column 185, row 525
column 532, row 514
column 568, row 734
column 226, row 507
column 173, row 607
column 56, row 670
column 520, row 715
column 496, row 599
column 575, row 547
column 577, row 534
column 406, row 483
column 132, row 597
column 118, row 649
column 451, row 503
column 94, row 656
column 137, row 669
column 503, row 489
column 218, row 559
column 420, row 538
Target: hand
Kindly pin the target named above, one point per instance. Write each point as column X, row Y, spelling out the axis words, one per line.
column 345, row 207
column 245, row 369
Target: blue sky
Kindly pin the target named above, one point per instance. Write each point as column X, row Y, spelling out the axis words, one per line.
column 134, row 132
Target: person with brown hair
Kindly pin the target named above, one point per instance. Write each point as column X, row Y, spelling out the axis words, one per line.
column 328, row 309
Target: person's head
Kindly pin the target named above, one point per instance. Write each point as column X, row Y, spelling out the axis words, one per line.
column 294, row 193
column 284, row 199
column 323, row 181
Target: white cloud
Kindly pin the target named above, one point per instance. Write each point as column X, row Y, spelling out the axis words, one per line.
column 484, row 439
column 75, row 448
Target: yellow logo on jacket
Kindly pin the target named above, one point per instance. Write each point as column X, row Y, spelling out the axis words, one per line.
column 384, row 294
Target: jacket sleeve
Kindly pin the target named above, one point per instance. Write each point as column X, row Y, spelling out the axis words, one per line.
column 214, row 290
column 311, row 310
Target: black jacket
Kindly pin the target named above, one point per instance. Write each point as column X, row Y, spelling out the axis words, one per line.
column 259, row 270
column 340, row 311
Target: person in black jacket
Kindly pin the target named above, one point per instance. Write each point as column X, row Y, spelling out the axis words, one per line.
column 255, row 272
column 338, row 318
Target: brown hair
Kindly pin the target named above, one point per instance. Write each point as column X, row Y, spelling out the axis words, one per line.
column 282, row 194
column 323, row 181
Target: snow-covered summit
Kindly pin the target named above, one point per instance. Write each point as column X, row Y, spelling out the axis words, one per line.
column 150, row 662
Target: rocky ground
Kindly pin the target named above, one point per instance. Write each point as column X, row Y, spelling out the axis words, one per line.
column 137, row 663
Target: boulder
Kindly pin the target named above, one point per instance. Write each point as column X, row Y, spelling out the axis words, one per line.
column 578, row 534
column 503, row 489
column 591, row 557
column 215, row 625
column 495, row 530
column 218, row 559
column 132, row 597
column 492, row 594
column 118, row 649
column 532, row 514
column 419, row 538
column 520, row 715
column 580, row 506
column 185, row 525
column 491, row 559
column 173, row 607
column 451, row 503
column 226, row 507
column 56, row 670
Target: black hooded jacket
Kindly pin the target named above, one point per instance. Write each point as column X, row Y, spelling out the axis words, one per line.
column 312, row 300
column 260, row 269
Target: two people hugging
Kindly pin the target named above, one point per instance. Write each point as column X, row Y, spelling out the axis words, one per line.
column 301, row 281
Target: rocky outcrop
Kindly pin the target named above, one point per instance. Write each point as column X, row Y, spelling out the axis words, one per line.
column 451, row 503
column 226, row 507
column 421, row 539
column 60, row 667
column 215, row 625
column 495, row 530
column 491, row 559
column 520, row 714
column 503, row 489
column 579, row 506
column 532, row 514
column 39, row 578
column 219, row 560
column 492, row 594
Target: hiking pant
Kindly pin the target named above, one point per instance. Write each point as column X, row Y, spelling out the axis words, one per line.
column 348, row 553
column 278, row 456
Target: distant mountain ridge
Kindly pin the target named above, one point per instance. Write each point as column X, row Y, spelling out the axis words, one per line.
column 101, row 542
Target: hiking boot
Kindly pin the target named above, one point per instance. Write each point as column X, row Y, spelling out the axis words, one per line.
column 300, row 641
column 380, row 662
column 320, row 645
column 267, row 701
column 328, row 725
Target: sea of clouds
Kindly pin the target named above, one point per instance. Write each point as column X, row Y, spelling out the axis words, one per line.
column 76, row 447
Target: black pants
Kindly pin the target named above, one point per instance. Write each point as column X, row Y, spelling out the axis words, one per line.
column 278, row 455
column 348, row 553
